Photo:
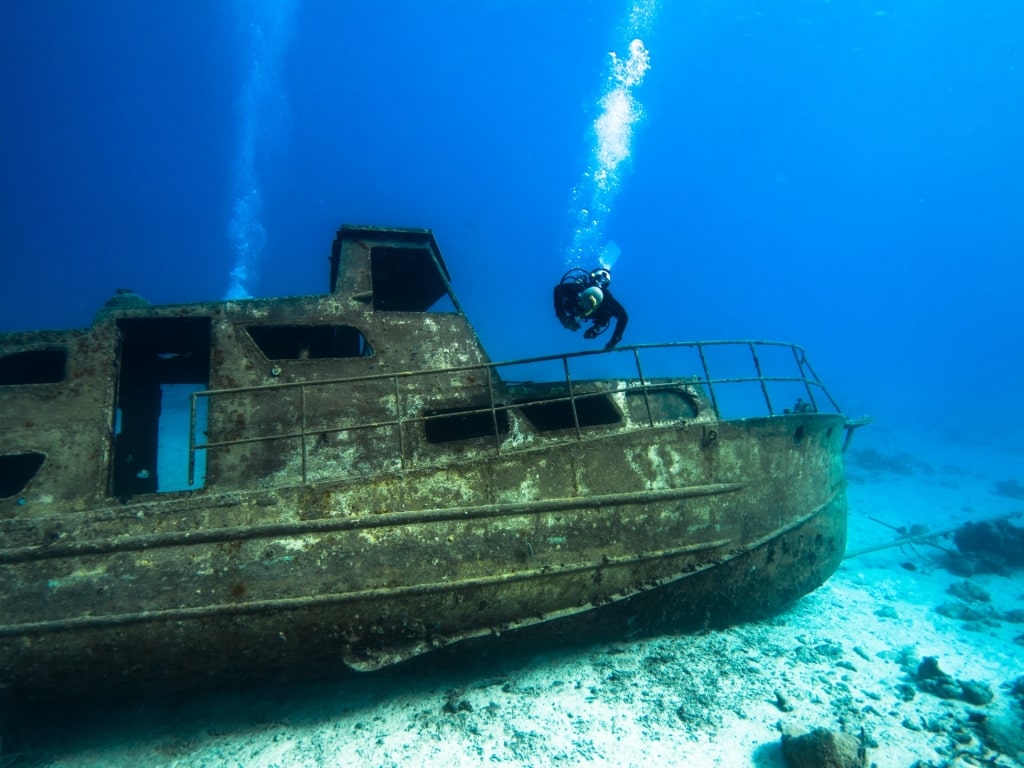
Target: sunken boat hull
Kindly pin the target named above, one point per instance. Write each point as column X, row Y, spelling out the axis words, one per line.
column 356, row 510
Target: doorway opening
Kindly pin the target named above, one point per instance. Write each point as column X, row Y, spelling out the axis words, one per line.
column 162, row 362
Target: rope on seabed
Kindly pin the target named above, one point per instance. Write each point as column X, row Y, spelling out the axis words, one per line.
column 924, row 537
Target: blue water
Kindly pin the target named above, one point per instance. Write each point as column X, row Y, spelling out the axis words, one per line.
column 847, row 176
column 844, row 175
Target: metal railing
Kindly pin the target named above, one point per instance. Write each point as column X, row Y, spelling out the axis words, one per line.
column 804, row 378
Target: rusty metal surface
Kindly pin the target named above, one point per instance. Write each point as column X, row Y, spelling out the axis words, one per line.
column 359, row 509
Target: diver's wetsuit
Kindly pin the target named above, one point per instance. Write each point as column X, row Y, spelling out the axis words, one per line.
column 567, row 307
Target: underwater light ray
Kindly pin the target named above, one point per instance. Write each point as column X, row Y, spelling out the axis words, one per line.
column 620, row 110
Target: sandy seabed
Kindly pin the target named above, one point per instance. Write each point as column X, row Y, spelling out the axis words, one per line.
column 845, row 658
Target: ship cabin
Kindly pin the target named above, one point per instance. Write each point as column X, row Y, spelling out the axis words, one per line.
column 381, row 374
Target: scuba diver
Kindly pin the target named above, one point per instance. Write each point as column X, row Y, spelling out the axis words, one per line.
column 583, row 296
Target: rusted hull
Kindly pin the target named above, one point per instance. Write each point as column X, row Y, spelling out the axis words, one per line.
column 623, row 534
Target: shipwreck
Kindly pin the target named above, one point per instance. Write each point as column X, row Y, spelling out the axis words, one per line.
column 236, row 490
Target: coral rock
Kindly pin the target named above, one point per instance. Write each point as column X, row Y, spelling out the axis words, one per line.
column 822, row 748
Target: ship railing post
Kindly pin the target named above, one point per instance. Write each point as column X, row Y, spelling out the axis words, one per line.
column 819, row 382
column 572, row 398
column 801, row 360
column 707, row 378
column 643, row 385
column 494, row 412
column 760, row 378
column 302, row 438
column 398, row 423
column 192, row 438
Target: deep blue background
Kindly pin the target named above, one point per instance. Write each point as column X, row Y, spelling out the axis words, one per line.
column 848, row 176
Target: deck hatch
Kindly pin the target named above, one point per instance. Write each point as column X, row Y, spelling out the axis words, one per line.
column 17, row 470
column 34, row 366
column 309, row 342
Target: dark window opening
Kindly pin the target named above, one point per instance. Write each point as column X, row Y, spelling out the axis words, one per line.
column 309, row 342
column 408, row 280
column 16, row 470
column 463, row 424
column 665, row 404
column 591, row 410
column 162, row 361
column 36, row 366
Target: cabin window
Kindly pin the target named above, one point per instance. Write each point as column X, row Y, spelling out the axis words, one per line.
column 409, row 280
column 16, row 470
column 591, row 411
column 35, row 366
column 665, row 404
column 463, row 424
column 309, row 342
column 163, row 361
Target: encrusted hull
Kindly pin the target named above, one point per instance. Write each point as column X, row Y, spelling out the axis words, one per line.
column 620, row 534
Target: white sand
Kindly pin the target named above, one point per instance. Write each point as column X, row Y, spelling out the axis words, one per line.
column 708, row 700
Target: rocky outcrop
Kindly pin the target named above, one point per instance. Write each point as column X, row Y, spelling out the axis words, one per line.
column 822, row 748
